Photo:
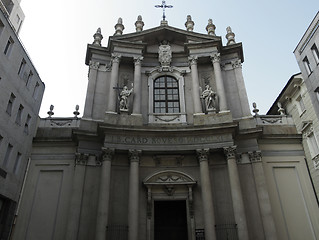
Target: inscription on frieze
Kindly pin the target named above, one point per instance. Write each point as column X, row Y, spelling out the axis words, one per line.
column 137, row 140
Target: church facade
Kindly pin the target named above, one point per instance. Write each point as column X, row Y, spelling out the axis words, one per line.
column 167, row 149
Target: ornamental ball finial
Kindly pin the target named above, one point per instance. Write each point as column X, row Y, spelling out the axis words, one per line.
column 210, row 28
column 189, row 24
column 230, row 36
column 119, row 27
column 139, row 24
column 50, row 112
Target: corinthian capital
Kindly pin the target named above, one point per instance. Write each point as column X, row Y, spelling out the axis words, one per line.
column 230, row 152
column 202, row 154
column 236, row 63
column 255, row 156
column 192, row 60
column 107, row 154
column 134, row 155
column 215, row 57
column 81, row 158
column 116, row 57
column 138, row 59
column 94, row 65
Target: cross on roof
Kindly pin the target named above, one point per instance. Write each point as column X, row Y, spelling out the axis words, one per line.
column 163, row 6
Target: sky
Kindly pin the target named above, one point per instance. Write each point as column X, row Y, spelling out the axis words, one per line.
column 56, row 33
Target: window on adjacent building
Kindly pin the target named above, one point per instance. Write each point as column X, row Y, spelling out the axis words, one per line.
column 27, row 124
column 18, row 19
column 313, row 145
column 19, row 115
column 307, row 65
column 1, row 27
column 300, row 105
column 36, row 90
column 21, row 67
column 317, row 93
column 315, row 53
column 166, row 95
column 29, row 78
column 7, row 49
column 7, row 156
column 17, row 163
column 10, row 103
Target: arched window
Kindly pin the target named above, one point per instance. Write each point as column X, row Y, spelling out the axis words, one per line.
column 166, row 95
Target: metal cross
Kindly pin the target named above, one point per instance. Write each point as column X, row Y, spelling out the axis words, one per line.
column 163, row 6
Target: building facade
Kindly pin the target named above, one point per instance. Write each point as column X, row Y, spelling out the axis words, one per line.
column 21, row 91
column 13, row 11
column 300, row 97
column 167, row 149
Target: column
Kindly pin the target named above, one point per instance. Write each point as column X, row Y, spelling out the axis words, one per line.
column 241, row 88
column 93, row 69
column 104, row 195
column 237, row 198
column 76, row 197
column 195, row 81
column 207, row 197
column 111, row 106
column 262, row 194
column 219, row 82
column 133, row 208
column 137, row 85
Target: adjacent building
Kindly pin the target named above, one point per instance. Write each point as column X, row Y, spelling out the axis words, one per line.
column 167, row 149
column 12, row 10
column 300, row 97
column 21, row 91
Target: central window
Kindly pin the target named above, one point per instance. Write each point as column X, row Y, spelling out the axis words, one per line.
column 166, row 95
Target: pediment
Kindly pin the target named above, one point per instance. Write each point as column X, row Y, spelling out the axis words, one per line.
column 169, row 178
column 156, row 35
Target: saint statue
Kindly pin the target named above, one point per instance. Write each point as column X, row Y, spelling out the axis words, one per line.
column 211, row 99
column 124, row 98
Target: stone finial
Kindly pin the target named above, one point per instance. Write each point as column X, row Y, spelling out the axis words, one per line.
column 51, row 113
column 76, row 112
column 119, row 27
column 230, row 36
column 189, row 24
column 280, row 109
column 210, row 28
column 255, row 110
column 139, row 24
column 97, row 37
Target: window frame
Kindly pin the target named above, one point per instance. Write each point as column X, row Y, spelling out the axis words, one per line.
column 315, row 53
column 307, row 66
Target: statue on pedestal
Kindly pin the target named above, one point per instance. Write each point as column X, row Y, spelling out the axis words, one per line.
column 210, row 98
column 124, row 98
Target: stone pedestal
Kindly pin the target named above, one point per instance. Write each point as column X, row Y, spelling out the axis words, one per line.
column 207, row 197
column 104, row 195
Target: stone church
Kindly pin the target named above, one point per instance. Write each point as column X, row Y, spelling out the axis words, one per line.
column 167, row 148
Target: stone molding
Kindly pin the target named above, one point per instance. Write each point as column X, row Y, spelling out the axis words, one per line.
column 134, row 155
column 202, row 154
column 215, row 57
column 254, row 156
column 81, row 158
column 230, row 152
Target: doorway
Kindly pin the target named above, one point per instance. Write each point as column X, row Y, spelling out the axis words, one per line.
column 170, row 220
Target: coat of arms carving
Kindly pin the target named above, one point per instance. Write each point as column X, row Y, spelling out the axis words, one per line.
column 165, row 54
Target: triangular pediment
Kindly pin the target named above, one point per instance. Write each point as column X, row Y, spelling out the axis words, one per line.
column 158, row 34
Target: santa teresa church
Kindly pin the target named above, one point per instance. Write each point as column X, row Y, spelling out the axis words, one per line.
column 167, row 149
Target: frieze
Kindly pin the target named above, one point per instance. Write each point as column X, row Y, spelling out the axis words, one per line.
column 137, row 140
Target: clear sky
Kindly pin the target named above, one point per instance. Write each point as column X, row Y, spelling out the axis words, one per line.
column 56, row 33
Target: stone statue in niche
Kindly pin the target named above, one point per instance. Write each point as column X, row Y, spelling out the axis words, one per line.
column 165, row 54
column 210, row 98
column 124, row 98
